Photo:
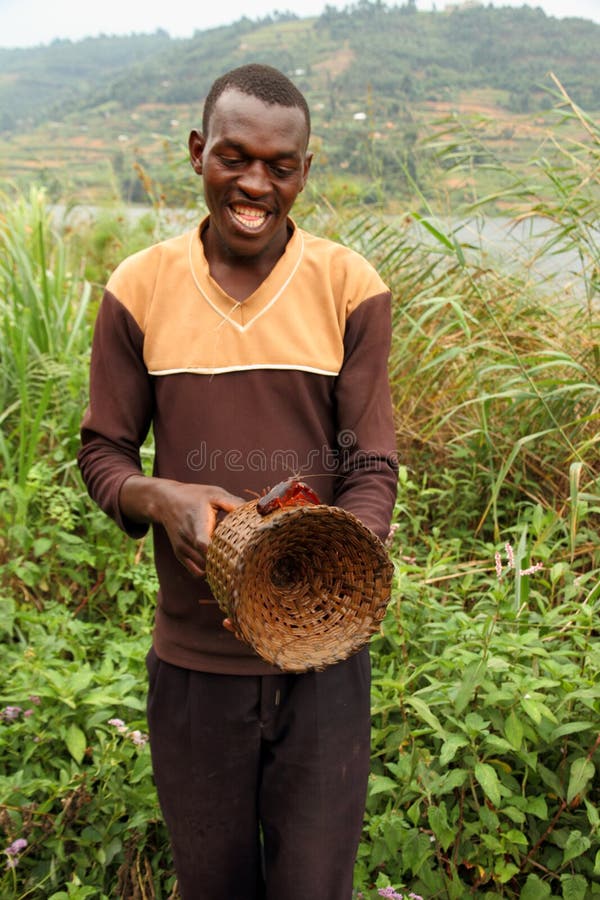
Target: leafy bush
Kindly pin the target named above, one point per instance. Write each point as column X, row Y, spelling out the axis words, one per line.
column 485, row 706
column 76, row 782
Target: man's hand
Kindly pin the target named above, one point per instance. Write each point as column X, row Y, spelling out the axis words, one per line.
column 187, row 512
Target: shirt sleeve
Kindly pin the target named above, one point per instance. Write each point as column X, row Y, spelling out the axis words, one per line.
column 366, row 443
column 119, row 414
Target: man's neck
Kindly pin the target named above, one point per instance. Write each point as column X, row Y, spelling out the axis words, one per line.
column 240, row 276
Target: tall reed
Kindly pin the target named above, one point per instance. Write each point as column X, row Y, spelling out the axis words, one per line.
column 44, row 337
column 494, row 373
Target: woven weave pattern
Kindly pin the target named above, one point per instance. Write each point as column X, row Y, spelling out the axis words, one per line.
column 304, row 586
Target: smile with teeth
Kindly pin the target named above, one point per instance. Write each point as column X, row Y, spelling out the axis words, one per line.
column 249, row 216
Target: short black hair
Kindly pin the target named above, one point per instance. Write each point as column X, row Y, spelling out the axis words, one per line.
column 264, row 82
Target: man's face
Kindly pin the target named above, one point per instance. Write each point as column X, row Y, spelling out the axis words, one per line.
column 254, row 163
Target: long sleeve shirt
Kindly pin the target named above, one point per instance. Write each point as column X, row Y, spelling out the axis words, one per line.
column 290, row 382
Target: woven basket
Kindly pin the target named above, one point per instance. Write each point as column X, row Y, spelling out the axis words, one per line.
column 304, row 586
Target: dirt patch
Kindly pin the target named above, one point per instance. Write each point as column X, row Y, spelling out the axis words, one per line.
column 337, row 63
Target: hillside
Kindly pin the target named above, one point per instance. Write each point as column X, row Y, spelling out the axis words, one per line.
column 103, row 114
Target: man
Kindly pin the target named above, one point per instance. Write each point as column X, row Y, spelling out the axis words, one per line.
column 247, row 344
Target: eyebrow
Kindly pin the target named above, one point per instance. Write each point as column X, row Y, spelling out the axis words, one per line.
column 242, row 150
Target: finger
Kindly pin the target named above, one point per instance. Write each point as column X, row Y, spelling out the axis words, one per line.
column 228, row 624
column 227, row 502
column 193, row 568
column 194, row 562
column 193, row 547
column 193, row 541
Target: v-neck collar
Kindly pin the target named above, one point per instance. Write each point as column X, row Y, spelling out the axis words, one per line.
column 241, row 315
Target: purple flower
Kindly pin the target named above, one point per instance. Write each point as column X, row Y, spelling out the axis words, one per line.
column 13, row 852
column 510, row 556
column 390, row 893
column 16, row 847
column 119, row 724
column 138, row 738
column 10, row 713
column 33, row 698
column 390, row 538
column 535, row 568
column 498, row 566
column 510, row 564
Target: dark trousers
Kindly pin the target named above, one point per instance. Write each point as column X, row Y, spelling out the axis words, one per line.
column 262, row 779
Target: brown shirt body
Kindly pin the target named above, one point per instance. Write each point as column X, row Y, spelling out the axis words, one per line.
column 291, row 382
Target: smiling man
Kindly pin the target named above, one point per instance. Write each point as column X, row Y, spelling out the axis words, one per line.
column 255, row 350
column 254, row 161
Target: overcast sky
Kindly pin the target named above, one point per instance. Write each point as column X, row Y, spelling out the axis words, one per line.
column 25, row 23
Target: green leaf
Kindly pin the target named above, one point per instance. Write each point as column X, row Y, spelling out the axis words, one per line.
column 514, row 814
column 41, row 546
column 438, row 820
column 550, row 779
column 498, row 744
column 513, row 729
column 437, row 234
column 574, row 887
column 76, row 742
column 472, row 679
column 379, row 853
column 582, row 772
column 400, row 770
column 537, row 806
column 536, row 710
column 424, row 713
column 7, row 614
column 417, row 850
column 413, row 813
column 505, row 871
column 493, row 843
column 143, row 769
column 516, row 837
column 381, row 784
column 535, row 889
column 488, row 779
column 80, row 680
column 571, row 728
column 488, row 818
column 532, row 709
column 450, row 746
column 592, row 814
column 475, row 723
column 577, row 843
column 452, row 779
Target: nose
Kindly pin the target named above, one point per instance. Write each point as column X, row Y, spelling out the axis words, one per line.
column 254, row 180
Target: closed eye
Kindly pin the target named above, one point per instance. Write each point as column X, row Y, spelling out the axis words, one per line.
column 282, row 171
column 231, row 160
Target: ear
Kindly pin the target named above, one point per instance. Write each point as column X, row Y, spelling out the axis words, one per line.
column 196, row 144
column 308, row 158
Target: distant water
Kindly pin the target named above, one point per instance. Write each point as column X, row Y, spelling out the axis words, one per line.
column 513, row 246
column 526, row 247
column 85, row 213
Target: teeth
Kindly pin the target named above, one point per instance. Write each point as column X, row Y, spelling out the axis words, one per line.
column 251, row 218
